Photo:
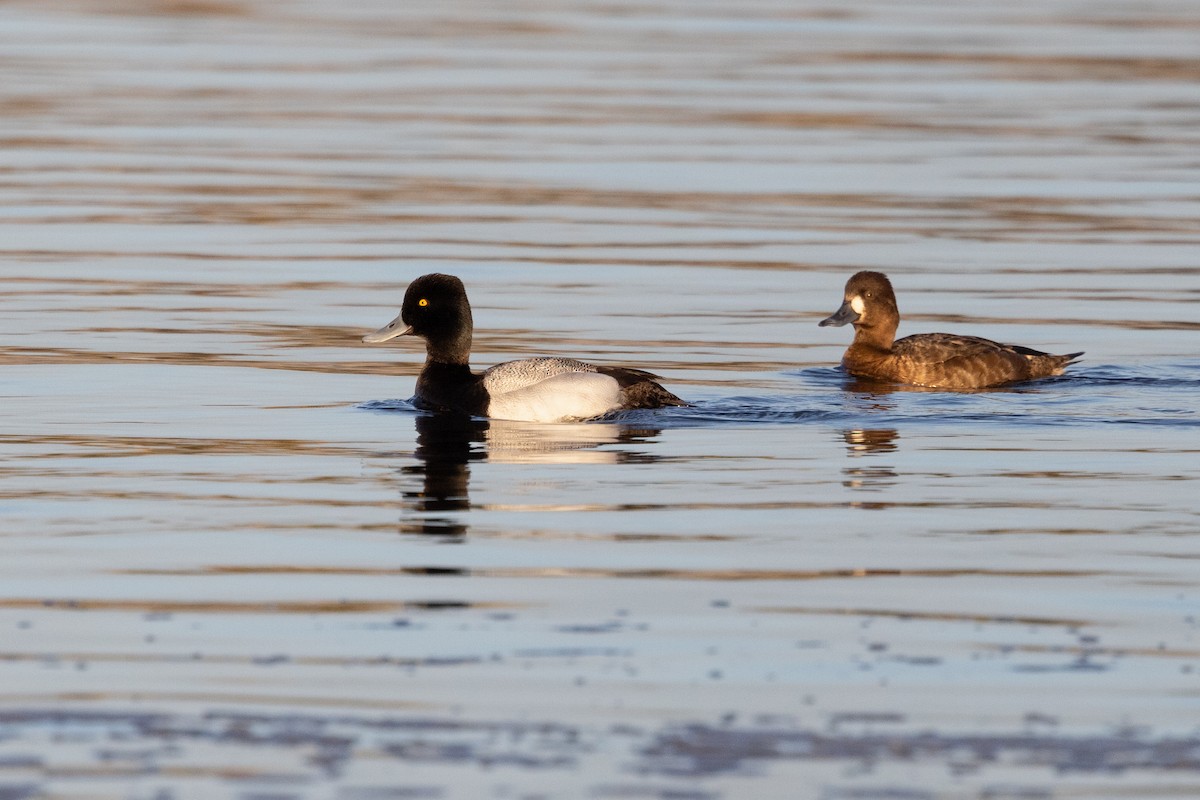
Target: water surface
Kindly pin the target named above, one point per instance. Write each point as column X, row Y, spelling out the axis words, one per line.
column 237, row 563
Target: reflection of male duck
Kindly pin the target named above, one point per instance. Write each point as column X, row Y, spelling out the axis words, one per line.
column 447, row 443
column 564, row 443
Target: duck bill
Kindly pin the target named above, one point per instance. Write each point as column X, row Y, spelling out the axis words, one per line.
column 390, row 331
column 840, row 317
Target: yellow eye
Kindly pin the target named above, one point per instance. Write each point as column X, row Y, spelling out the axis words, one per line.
column 422, row 302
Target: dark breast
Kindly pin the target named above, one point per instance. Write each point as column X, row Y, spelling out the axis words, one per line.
column 451, row 387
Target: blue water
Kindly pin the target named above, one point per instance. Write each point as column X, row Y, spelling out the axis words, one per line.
column 237, row 563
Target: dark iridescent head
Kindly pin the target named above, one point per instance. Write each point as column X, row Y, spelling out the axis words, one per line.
column 435, row 308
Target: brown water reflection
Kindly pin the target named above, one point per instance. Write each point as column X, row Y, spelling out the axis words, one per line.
column 874, row 476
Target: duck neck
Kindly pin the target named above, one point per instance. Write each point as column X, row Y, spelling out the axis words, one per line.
column 875, row 337
column 454, row 350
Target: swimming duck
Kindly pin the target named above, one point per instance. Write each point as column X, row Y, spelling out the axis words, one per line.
column 938, row 360
column 533, row 389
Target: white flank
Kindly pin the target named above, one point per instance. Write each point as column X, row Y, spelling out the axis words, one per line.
column 857, row 304
column 568, row 395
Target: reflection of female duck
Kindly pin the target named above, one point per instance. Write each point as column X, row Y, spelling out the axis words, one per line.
column 869, row 476
column 936, row 360
column 860, row 441
column 532, row 389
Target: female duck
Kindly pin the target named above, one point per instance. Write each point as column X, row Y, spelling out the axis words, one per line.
column 939, row 360
column 532, row 389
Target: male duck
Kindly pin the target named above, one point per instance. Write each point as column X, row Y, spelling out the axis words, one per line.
column 939, row 360
column 532, row 389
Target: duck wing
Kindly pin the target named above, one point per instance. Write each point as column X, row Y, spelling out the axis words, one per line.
column 549, row 390
column 545, row 389
column 512, row 376
column 970, row 362
column 962, row 362
column 939, row 348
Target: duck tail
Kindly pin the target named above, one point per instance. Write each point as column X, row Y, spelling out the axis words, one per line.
column 641, row 389
column 649, row 394
column 1058, row 363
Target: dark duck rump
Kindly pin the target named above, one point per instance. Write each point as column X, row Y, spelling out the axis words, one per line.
column 937, row 360
column 435, row 308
